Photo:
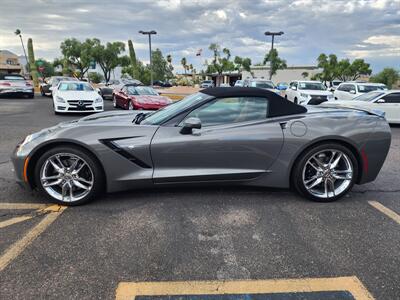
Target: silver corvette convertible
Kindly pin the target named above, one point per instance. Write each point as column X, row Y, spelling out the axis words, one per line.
column 240, row 136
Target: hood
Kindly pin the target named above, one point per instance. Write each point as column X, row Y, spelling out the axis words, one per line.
column 316, row 93
column 78, row 95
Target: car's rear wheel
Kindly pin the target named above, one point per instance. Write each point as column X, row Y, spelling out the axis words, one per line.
column 325, row 173
column 68, row 175
column 295, row 101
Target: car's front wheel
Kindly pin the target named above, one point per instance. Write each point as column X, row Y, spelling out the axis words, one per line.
column 68, row 175
column 325, row 173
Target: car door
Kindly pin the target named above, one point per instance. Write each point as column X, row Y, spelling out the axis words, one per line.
column 391, row 107
column 236, row 141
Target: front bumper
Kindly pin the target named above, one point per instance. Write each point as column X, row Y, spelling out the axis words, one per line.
column 76, row 107
column 20, row 162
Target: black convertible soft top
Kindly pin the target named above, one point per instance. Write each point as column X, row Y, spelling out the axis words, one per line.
column 278, row 106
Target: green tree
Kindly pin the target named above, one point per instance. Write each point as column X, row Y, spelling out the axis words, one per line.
column 46, row 66
column 343, row 69
column 388, row 76
column 78, row 55
column 275, row 62
column 242, row 63
column 140, row 72
column 184, row 64
column 220, row 63
column 329, row 66
column 132, row 54
column 108, row 56
column 304, row 75
column 170, row 66
column 32, row 66
column 161, row 70
column 95, row 77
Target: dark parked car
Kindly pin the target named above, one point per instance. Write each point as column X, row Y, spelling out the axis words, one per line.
column 52, row 82
column 162, row 83
column 246, row 136
column 15, row 85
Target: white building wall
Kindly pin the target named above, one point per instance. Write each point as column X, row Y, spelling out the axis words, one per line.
column 289, row 74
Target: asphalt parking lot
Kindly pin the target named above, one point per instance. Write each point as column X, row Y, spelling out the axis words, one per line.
column 194, row 234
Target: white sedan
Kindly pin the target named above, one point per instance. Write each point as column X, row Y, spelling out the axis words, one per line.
column 387, row 101
column 307, row 92
column 76, row 97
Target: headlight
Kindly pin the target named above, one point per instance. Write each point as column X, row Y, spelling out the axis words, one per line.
column 59, row 99
column 98, row 100
column 304, row 95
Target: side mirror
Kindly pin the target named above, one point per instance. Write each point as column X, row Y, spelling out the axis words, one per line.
column 381, row 101
column 352, row 91
column 294, row 88
column 190, row 124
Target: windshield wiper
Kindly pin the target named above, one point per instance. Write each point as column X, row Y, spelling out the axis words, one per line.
column 139, row 118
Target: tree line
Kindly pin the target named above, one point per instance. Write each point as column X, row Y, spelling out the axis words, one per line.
column 79, row 56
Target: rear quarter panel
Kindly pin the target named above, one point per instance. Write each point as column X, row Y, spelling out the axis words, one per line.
column 368, row 135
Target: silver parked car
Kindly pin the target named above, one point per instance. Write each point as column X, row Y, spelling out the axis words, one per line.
column 15, row 85
column 206, row 84
column 235, row 135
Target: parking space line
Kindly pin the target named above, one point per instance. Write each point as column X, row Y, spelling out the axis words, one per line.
column 14, row 221
column 14, row 250
column 22, row 205
column 383, row 209
column 130, row 290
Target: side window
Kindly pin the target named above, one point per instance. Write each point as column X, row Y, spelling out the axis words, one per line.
column 231, row 110
column 392, row 98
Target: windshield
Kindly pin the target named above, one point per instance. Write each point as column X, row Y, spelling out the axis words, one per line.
column 12, row 77
column 141, row 90
column 368, row 96
column 169, row 111
column 74, row 86
column 262, row 84
column 314, row 86
column 364, row 88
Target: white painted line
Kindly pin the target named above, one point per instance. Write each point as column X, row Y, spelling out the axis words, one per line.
column 14, row 250
column 388, row 212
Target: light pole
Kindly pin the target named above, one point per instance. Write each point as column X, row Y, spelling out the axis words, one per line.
column 149, row 33
column 273, row 34
column 18, row 32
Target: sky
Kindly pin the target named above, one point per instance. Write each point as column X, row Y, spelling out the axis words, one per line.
column 350, row 29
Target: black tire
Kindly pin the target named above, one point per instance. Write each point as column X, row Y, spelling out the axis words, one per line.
column 295, row 101
column 286, row 97
column 98, row 180
column 297, row 173
column 114, row 100
column 42, row 92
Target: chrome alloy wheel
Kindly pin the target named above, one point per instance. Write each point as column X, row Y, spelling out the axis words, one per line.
column 328, row 173
column 130, row 106
column 66, row 177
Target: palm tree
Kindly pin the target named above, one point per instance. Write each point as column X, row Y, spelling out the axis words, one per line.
column 18, row 32
column 184, row 64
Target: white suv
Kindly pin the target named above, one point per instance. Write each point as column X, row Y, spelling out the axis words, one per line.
column 351, row 89
column 307, row 93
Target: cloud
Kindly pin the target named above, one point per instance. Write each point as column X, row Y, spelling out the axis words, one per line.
column 349, row 28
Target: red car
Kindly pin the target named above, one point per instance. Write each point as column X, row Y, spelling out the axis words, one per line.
column 134, row 97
